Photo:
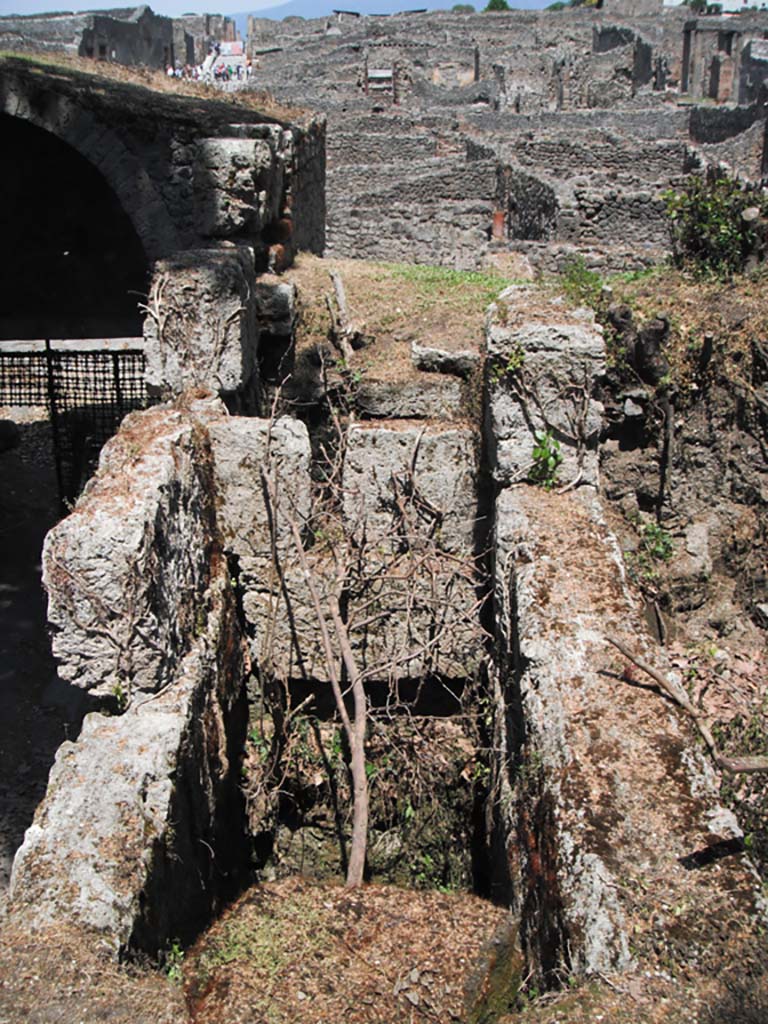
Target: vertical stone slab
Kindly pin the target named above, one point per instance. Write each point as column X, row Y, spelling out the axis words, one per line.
column 200, row 329
column 140, row 836
column 122, row 570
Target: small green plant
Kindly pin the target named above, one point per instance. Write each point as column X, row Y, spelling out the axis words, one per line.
column 508, row 367
column 174, row 962
column 581, row 285
column 496, row 5
column 121, row 697
column 546, row 460
column 657, row 542
column 260, row 745
column 656, row 547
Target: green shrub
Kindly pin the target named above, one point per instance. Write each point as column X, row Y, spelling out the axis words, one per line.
column 496, row 5
column 581, row 285
column 708, row 230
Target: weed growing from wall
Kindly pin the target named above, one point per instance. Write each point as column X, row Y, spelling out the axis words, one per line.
column 581, row 285
column 546, row 459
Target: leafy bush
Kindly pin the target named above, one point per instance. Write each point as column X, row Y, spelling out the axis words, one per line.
column 709, row 231
column 496, row 5
column 463, row 9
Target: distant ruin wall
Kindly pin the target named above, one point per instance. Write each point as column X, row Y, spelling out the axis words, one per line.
column 734, row 137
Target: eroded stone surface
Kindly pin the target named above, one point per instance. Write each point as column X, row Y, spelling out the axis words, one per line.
column 543, row 361
column 133, row 838
column 121, row 570
column 608, row 797
column 200, row 328
column 137, row 837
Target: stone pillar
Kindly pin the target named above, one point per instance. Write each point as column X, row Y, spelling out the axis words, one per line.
column 200, row 329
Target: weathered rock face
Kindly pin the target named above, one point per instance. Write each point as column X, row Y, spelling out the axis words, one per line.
column 200, row 328
column 122, row 570
column 604, row 795
column 437, row 398
column 411, row 504
column 398, row 463
column 137, row 837
column 240, row 181
column 543, row 362
column 414, row 562
column 139, row 834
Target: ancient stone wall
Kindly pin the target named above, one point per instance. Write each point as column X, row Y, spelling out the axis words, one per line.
column 186, row 175
column 576, row 109
column 144, row 616
column 132, row 36
column 599, row 785
column 200, row 531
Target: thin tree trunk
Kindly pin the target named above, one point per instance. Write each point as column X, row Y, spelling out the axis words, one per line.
column 355, row 727
column 359, row 844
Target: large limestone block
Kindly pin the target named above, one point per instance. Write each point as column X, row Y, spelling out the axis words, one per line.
column 604, row 793
column 134, row 838
column 124, row 571
column 410, row 596
column 425, row 398
column 429, row 471
column 200, row 328
column 263, row 485
column 262, row 482
column 411, row 505
column 543, row 360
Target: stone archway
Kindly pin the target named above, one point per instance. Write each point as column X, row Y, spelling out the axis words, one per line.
column 75, row 266
column 102, row 146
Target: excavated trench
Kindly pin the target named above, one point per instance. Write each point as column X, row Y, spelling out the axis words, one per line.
column 506, row 782
column 429, row 746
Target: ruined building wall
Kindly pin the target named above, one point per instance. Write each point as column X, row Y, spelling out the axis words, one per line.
column 188, row 176
column 572, row 109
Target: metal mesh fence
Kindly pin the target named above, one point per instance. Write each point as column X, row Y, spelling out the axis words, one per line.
column 23, row 378
column 87, row 395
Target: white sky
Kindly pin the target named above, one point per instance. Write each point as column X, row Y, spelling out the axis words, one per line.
column 171, row 8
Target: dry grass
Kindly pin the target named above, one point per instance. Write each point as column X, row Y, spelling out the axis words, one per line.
column 321, row 954
column 63, row 975
column 102, row 74
column 396, row 304
column 732, row 313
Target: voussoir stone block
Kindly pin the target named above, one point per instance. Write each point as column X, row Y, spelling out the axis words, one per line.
column 239, row 182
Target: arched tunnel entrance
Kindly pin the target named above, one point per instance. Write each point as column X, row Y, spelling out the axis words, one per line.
column 73, row 265
column 73, row 268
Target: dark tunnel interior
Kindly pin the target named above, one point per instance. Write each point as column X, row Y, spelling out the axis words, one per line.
column 73, row 264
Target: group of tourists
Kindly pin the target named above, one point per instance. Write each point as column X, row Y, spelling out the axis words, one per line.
column 225, row 63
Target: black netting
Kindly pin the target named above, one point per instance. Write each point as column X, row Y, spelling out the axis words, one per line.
column 23, row 378
column 87, row 395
